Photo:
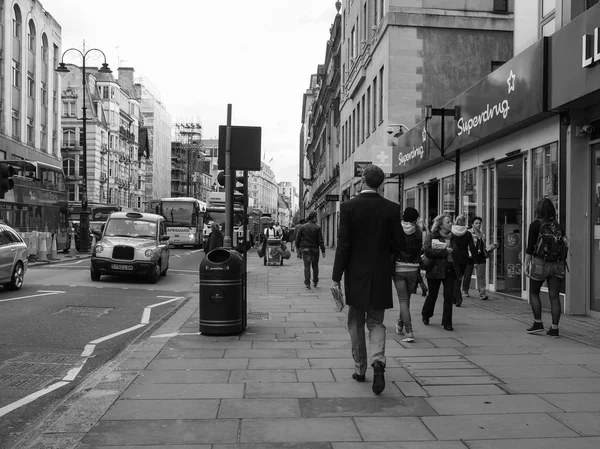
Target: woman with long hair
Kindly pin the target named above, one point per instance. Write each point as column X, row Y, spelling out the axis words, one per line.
column 438, row 247
column 463, row 245
column 539, row 269
column 477, row 261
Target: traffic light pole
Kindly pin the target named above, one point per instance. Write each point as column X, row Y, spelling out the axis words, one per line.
column 227, row 241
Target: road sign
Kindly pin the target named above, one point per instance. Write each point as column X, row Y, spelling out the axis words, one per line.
column 332, row 197
column 359, row 167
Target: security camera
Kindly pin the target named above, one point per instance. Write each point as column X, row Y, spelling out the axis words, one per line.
column 588, row 129
column 390, row 130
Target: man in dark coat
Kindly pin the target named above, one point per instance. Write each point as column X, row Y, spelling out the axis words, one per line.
column 309, row 240
column 369, row 233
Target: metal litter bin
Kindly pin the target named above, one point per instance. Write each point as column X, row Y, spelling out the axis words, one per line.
column 222, row 286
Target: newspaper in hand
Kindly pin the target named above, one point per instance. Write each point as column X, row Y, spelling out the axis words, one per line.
column 338, row 297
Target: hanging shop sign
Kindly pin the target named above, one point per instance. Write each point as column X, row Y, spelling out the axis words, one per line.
column 574, row 72
column 383, row 157
column 359, row 167
column 497, row 105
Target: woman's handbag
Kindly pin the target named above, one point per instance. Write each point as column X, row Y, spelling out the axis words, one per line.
column 426, row 263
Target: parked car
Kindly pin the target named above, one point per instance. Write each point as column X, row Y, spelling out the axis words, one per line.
column 131, row 244
column 13, row 258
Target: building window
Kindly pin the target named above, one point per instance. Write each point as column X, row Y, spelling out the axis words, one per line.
column 500, row 6
column 497, row 64
column 545, row 174
column 30, row 131
column 81, row 137
column 30, row 85
column 17, row 22
column 374, row 104
column 381, row 95
column 44, row 49
column 105, row 92
column 16, row 131
column 362, row 120
column 16, row 73
column 448, row 186
column 409, row 198
column 368, row 106
column 548, row 20
column 31, row 37
column 352, row 45
column 359, row 133
column 469, row 194
column 69, row 138
column 44, row 91
column 381, row 8
column 43, row 137
column 591, row 3
column 71, row 192
column 81, row 170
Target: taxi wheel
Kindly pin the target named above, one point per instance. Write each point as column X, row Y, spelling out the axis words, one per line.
column 16, row 280
column 153, row 278
column 95, row 275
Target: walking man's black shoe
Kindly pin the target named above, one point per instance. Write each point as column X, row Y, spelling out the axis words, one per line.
column 426, row 321
column 378, row 377
column 308, row 286
column 358, row 377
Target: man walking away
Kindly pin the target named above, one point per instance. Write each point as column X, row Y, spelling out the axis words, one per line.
column 309, row 240
column 301, row 223
column 369, row 234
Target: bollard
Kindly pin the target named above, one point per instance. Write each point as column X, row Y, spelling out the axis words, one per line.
column 43, row 256
column 72, row 248
column 53, row 251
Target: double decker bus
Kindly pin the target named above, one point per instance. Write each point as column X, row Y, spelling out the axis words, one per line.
column 38, row 200
column 215, row 211
column 184, row 219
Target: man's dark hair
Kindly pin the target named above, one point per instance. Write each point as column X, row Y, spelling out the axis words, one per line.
column 373, row 176
column 545, row 210
column 302, row 221
column 476, row 218
column 311, row 216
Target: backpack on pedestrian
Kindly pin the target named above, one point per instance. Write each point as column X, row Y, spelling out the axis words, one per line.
column 552, row 245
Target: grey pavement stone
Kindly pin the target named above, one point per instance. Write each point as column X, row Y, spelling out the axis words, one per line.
column 345, row 362
column 515, row 360
column 391, row 374
column 490, row 350
column 441, row 372
column 317, row 445
column 198, row 364
column 594, row 368
column 463, row 390
column 465, row 364
column 279, row 364
column 417, row 352
column 184, row 391
column 352, row 389
column 279, row 390
column 281, row 345
column 586, row 424
column 165, row 432
column 379, row 406
column 411, row 389
column 537, row 443
column 263, row 375
column 315, row 375
column 575, row 402
column 258, row 328
column 575, row 359
column 189, row 354
column 479, row 405
column 170, row 446
column 176, row 343
column 446, row 342
column 127, row 409
column 552, row 385
column 503, row 341
column 479, row 380
column 182, row 377
column 540, row 371
column 426, row 358
column 261, row 353
column 324, row 353
column 259, row 408
column 402, row 445
column 499, row 426
column 392, row 429
column 298, row 430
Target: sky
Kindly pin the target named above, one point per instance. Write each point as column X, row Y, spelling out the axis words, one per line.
column 201, row 55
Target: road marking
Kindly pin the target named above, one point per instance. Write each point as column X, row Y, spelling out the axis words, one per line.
column 65, row 264
column 183, row 271
column 42, row 293
column 148, row 309
column 175, row 334
column 32, row 397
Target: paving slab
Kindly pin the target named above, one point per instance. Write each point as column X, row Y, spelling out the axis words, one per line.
column 352, row 389
column 540, row 371
column 411, row 388
column 465, row 364
column 496, row 426
column 189, row 354
column 162, row 432
column 127, row 409
column 262, row 364
column 463, row 390
column 575, row 359
column 259, row 408
column 586, row 423
column 490, row 350
column 314, row 445
column 402, row 445
column 281, row 345
column 471, row 405
column 378, row 406
column 552, row 385
column 298, row 430
column 537, row 443
column 315, row 375
column 182, row 377
column 515, row 360
column 180, row 343
column 198, row 364
column 262, row 375
column 442, row 372
column 279, row 390
column 426, row 358
column 346, row 362
column 575, row 402
column 479, row 380
column 392, row 429
column 183, row 391
column 261, row 353
column 170, row 446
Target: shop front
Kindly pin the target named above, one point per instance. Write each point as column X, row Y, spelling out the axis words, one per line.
column 574, row 92
column 499, row 155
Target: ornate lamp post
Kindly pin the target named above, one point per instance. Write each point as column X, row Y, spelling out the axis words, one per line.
column 84, row 219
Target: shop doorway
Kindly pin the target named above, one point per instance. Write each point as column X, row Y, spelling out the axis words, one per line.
column 509, row 226
column 432, row 202
column 595, row 234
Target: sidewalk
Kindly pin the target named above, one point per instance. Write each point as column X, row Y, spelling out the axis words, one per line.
column 286, row 381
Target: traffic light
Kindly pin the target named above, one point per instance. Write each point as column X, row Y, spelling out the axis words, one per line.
column 221, row 178
column 240, row 189
column 6, row 181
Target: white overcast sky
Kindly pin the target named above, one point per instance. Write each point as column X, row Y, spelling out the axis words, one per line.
column 203, row 54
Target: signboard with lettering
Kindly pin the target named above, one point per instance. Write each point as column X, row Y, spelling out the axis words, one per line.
column 332, row 197
column 383, row 157
column 495, row 106
column 359, row 167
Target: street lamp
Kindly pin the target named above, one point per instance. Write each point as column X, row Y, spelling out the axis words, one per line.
column 84, row 218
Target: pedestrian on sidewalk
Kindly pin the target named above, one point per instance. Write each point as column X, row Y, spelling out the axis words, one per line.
column 215, row 238
column 464, row 246
column 369, row 234
column 545, row 261
column 309, row 240
column 439, row 248
column 477, row 261
column 406, row 272
column 424, row 231
column 301, row 223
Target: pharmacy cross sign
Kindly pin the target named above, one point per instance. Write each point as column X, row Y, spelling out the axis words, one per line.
column 382, row 157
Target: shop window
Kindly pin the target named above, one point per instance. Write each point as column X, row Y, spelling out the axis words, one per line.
column 500, row 6
column 545, row 182
column 591, row 3
column 469, row 194
column 548, row 22
column 409, row 198
column 448, row 186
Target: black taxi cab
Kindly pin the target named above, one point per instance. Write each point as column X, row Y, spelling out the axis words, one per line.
column 131, row 244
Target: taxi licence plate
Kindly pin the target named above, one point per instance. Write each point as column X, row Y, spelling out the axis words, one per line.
column 115, row 266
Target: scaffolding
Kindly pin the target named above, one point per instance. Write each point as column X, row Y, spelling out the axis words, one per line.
column 187, row 160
